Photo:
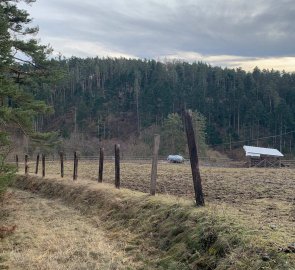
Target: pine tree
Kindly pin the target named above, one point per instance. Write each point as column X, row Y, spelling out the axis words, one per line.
column 18, row 107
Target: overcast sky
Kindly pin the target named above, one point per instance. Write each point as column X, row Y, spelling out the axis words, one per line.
column 230, row 33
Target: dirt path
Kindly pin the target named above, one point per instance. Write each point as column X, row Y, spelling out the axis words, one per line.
column 49, row 235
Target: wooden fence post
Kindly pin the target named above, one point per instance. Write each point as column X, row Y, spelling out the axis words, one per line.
column 43, row 165
column 61, row 156
column 191, row 141
column 37, row 164
column 100, row 169
column 117, row 165
column 26, row 165
column 77, row 166
column 155, row 165
column 16, row 161
column 75, row 173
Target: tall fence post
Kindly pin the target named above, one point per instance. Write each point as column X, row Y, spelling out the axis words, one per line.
column 37, row 164
column 16, row 162
column 100, row 168
column 75, row 173
column 77, row 160
column 26, row 165
column 61, row 156
column 117, row 165
column 155, row 164
column 43, row 165
column 191, row 141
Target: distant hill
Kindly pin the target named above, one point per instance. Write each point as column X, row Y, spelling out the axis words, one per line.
column 109, row 98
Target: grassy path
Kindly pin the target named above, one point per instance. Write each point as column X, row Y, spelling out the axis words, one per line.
column 260, row 197
column 89, row 226
column 50, row 235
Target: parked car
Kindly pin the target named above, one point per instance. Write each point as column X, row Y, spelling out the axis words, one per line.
column 175, row 159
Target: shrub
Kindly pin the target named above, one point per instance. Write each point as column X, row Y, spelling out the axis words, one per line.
column 7, row 173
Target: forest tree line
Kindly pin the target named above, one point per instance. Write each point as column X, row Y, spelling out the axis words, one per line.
column 115, row 98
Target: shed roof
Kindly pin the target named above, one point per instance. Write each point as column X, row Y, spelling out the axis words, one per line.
column 253, row 151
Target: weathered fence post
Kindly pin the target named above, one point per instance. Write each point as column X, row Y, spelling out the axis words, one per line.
column 155, row 165
column 75, row 174
column 43, row 165
column 26, row 165
column 74, row 171
column 100, row 169
column 77, row 159
column 61, row 156
column 117, row 165
column 191, row 141
column 16, row 161
column 37, row 164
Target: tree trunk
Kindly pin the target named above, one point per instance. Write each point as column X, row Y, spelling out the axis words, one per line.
column 137, row 89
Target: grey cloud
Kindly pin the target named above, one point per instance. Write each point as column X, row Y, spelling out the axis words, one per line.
column 147, row 28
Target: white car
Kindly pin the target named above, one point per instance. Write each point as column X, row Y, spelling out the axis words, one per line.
column 175, row 159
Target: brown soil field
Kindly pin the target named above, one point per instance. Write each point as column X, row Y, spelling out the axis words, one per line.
column 263, row 197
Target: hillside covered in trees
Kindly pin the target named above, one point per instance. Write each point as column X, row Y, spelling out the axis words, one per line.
column 116, row 98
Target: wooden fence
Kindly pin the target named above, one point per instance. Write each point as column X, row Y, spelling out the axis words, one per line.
column 204, row 161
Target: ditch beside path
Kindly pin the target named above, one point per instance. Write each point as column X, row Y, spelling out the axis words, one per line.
column 49, row 235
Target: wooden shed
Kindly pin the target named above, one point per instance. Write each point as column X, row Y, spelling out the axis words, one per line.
column 262, row 157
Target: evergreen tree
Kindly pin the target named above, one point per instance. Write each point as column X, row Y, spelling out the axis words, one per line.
column 237, row 105
column 17, row 107
column 172, row 135
column 199, row 123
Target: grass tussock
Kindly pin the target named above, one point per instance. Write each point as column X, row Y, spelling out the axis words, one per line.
column 166, row 232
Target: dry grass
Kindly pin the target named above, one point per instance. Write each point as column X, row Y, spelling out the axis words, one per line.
column 264, row 198
column 261, row 200
column 50, row 235
column 167, row 232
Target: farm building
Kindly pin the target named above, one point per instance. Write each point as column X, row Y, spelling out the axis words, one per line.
column 263, row 157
